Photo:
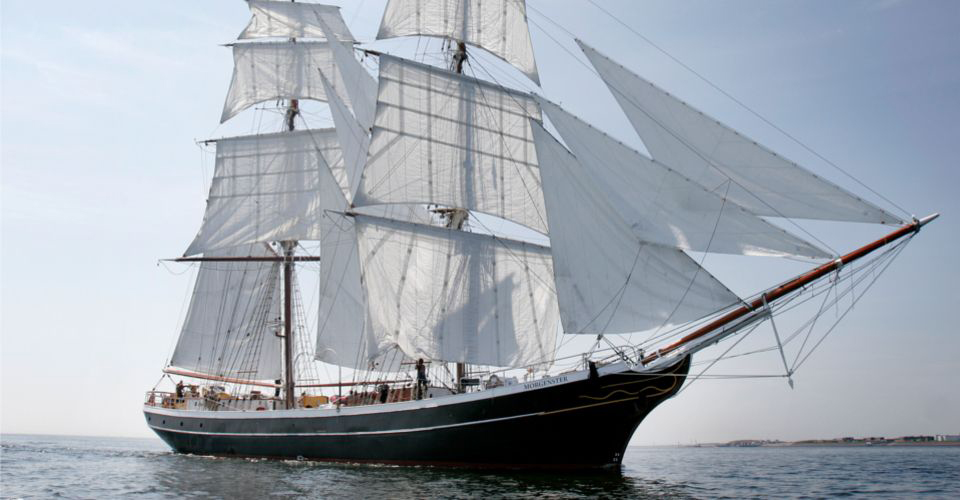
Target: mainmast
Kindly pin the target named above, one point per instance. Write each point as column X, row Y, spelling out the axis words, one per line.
column 458, row 216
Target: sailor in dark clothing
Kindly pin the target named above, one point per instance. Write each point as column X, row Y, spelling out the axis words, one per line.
column 384, row 390
column 180, row 389
column 421, row 379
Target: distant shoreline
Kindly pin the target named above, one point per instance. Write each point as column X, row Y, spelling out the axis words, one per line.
column 814, row 444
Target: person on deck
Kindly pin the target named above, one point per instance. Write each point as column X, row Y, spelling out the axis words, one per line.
column 421, row 379
column 180, row 389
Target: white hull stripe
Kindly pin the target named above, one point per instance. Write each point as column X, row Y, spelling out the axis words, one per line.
column 358, row 433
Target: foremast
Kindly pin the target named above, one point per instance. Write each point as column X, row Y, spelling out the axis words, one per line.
column 289, row 354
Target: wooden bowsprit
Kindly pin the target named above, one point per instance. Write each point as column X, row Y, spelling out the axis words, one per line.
column 762, row 303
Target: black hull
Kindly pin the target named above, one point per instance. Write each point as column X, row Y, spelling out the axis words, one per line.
column 575, row 421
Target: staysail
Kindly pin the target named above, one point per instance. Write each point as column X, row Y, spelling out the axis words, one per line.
column 499, row 26
column 361, row 88
column 354, row 141
column 443, row 138
column 230, row 328
column 714, row 155
column 661, row 206
column 458, row 296
column 608, row 279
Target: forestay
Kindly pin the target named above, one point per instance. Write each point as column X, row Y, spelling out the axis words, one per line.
column 713, row 154
column 452, row 295
column 230, row 328
column 608, row 280
column 280, row 70
column 442, row 138
column 265, row 188
column 295, row 20
column 499, row 26
column 661, row 206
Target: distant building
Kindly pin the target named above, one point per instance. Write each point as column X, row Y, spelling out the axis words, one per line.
column 951, row 438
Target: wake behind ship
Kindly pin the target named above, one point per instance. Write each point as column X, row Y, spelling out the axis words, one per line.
column 441, row 326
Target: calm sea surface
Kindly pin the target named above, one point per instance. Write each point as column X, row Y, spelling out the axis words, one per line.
column 83, row 467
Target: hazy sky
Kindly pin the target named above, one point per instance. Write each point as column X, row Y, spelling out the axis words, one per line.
column 101, row 104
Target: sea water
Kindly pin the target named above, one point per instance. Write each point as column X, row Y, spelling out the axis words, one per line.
column 88, row 467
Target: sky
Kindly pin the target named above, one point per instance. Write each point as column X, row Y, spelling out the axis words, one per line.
column 100, row 108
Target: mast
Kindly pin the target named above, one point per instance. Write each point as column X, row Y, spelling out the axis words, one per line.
column 459, row 216
column 288, row 262
column 288, row 344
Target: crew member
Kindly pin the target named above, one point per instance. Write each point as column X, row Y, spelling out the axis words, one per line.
column 180, row 389
column 421, row 379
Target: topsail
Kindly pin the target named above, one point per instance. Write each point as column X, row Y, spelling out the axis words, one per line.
column 280, row 70
column 266, row 188
column 295, row 20
column 499, row 26
column 446, row 139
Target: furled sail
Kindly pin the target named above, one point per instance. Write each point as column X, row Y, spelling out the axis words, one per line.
column 608, row 280
column 280, row 70
column 230, row 328
column 499, row 26
column 662, row 206
column 457, row 296
column 446, row 139
column 265, row 188
column 710, row 153
column 295, row 20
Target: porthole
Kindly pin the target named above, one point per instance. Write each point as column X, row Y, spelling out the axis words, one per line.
column 163, row 421
column 181, row 423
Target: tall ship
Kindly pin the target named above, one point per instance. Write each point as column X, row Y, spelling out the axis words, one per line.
column 455, row 236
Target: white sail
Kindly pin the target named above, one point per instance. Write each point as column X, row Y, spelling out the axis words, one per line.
column 344, row 334
column 360, row 86
column 442, row 138
column 609, row 280
column 295, row 20
column 280, row 70
column 711, row 153
column 354, row 141
column 499, row 26
column 230, row 328
column 266, row 188
column 452, row 295
column 662, row 206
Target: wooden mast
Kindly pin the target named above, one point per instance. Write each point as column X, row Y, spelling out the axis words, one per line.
column 289, row 346
column 790, row 286
column 458, row 216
